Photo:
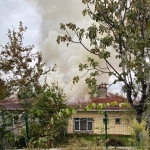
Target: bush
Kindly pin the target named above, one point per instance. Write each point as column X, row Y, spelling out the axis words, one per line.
column 115, row 142
column 20, row 143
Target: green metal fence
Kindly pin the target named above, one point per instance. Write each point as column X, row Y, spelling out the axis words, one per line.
column 107, row 125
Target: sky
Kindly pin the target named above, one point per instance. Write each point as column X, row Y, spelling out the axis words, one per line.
column 43, row 17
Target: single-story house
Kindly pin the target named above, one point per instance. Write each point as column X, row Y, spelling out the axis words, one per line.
column 93, row 121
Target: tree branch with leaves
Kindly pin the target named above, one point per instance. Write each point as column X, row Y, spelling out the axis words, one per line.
column 123, row 26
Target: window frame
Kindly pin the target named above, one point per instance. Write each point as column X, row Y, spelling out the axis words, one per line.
column 79, row 120
column 119, row 121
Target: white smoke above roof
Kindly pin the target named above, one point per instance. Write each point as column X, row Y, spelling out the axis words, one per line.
column 67, row 59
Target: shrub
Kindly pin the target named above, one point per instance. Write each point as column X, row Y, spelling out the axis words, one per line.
column 115, row 142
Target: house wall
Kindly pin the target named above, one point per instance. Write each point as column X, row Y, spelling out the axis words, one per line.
column 99, row 126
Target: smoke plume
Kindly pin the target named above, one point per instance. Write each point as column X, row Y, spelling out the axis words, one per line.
column 67, row 59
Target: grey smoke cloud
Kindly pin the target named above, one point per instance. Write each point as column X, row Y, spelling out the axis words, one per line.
column 42, row 17
column 52, row 13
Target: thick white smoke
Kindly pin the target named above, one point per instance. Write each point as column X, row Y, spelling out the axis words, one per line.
column 67, row 59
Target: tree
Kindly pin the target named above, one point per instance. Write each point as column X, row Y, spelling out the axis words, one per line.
column 4, row 92
column 123, row 25
column 22, row 65
column 22, row 69
column 48, row 116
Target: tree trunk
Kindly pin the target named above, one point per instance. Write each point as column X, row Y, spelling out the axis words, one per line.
column 139, row 116
column 50, row 141
column 140, row 109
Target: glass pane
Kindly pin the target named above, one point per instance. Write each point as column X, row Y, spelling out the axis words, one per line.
column 117, row 120
column 76, row 126
column 89, row 125
column 83, row 124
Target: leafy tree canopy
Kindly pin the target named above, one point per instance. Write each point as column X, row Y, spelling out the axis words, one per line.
column 4, row 92
column 22, row 66
column 45, row 105
column 123, row 25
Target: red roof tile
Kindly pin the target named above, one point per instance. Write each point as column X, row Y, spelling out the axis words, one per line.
column 104, row 100
column 11, row 103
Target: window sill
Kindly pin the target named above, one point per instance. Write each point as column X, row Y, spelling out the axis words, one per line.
column 83, row 131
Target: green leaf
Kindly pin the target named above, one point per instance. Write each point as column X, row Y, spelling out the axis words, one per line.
column 115, row 103
column 82, row 66
column 62, row 26
column 71, row 26
column 84, row 12
column 106, row 41
column 88, row 107
column 108, row 104
column 100, row 106
column 104, row 54
column 93, row 105
column 74, row 111
column 94, row 74
column 110, row 73
column 123, row 104
column 84, row 1
column 75, row 79
column 67, row 111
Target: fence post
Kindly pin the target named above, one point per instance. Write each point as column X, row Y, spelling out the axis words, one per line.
column 2, row 129
column 27, row 129
column 106, row 121
column 1, row 138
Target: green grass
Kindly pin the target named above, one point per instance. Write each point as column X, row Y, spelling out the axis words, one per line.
column 74, row 140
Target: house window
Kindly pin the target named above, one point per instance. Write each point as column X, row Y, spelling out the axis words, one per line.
column 83, row 124
column 117, row 121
